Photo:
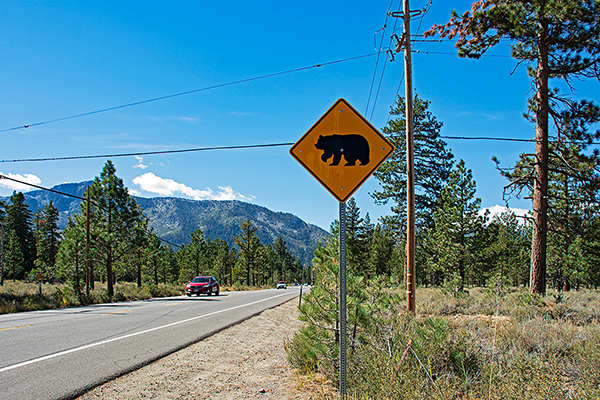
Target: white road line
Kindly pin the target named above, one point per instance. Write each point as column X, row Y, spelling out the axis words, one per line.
column 88, row 346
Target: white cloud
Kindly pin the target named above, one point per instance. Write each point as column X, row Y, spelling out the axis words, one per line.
column 497, row 210
column 140, row 163
column 29, row 178
column 168, row 187
column 189, row 120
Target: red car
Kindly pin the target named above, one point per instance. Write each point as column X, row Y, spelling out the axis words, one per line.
column 203, row 285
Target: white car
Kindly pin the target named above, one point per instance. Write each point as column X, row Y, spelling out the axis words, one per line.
column 281, row 285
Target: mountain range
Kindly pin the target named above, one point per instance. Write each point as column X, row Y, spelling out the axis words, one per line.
column 174, row 219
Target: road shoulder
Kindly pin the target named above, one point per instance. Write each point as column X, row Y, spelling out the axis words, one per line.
column 242, row 362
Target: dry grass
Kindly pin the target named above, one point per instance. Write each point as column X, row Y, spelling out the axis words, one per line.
column 481, row 345
column 22, row 296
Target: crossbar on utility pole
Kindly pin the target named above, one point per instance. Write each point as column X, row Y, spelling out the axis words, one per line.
column 410, row 169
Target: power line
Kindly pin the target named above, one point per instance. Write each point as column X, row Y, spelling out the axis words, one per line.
column 487, row 138
column 515, row 140
column 76, row 197
column 255, row 146
column 188, row 92
column 379, row 49
column 43, row 188
column 147, row 153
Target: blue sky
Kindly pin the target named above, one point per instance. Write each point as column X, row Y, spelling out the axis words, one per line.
column 64, row 58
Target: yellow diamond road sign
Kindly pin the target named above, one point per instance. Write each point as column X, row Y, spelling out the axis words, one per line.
column 341, row 150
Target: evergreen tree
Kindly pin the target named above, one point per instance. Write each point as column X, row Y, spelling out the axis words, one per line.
column 47, row 239
column 249, row 248
column 21, row 243
column 114, row 218
column 218, row 251
column 193, row 257
column 458, row 227
column 283, row 260
column 507, row 250
column 433, row 163
column 555, row 39
column 383, row 255
column 359, row 232
column 14, row 258
column 71, row 256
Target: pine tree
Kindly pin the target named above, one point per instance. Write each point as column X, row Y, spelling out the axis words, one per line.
column 249, row 249
column 114, row 220
column 458, row 227
column 507, row 250
column 359, row 233
column 383, row 256
column 71, row 256
column 555, row 39
column 21, row 244
column 433, row 163
column 283, row 260
column 218, row 251
column 47, row 239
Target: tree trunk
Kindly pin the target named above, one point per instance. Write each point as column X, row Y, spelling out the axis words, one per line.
column 537, row 277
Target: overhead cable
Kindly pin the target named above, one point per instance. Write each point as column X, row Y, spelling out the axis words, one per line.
column 79, row 198
column 379, row 49
column 188, row 92
column 256, row 146
column 147, row 153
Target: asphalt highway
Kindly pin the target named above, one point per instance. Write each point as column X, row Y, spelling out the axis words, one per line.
column 60, row 354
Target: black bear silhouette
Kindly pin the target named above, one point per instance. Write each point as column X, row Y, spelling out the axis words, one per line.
column 353, row 147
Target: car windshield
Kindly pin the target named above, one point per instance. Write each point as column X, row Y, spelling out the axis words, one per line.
column 200, row 279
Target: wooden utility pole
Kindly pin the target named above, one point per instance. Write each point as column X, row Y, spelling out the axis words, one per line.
column 410, row 168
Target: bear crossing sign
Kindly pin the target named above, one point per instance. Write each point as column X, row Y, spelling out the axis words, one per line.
column 341, row 150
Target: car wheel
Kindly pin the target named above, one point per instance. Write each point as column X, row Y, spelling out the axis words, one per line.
column 189, row 295
column 217, row 291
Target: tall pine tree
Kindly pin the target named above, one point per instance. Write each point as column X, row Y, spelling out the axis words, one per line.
column 555, row 39
column 21, row 244
column 47, row 239
column 458, row 227
column 250, row 250
column 433, row 163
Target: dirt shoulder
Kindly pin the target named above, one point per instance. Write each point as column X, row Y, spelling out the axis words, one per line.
column 247, row 361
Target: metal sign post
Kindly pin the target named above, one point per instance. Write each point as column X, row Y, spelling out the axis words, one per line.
column 342, row 300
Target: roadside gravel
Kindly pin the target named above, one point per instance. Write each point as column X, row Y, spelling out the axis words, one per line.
column 246, row 361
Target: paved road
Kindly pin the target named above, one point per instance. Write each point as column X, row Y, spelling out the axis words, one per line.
column 63, row 353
